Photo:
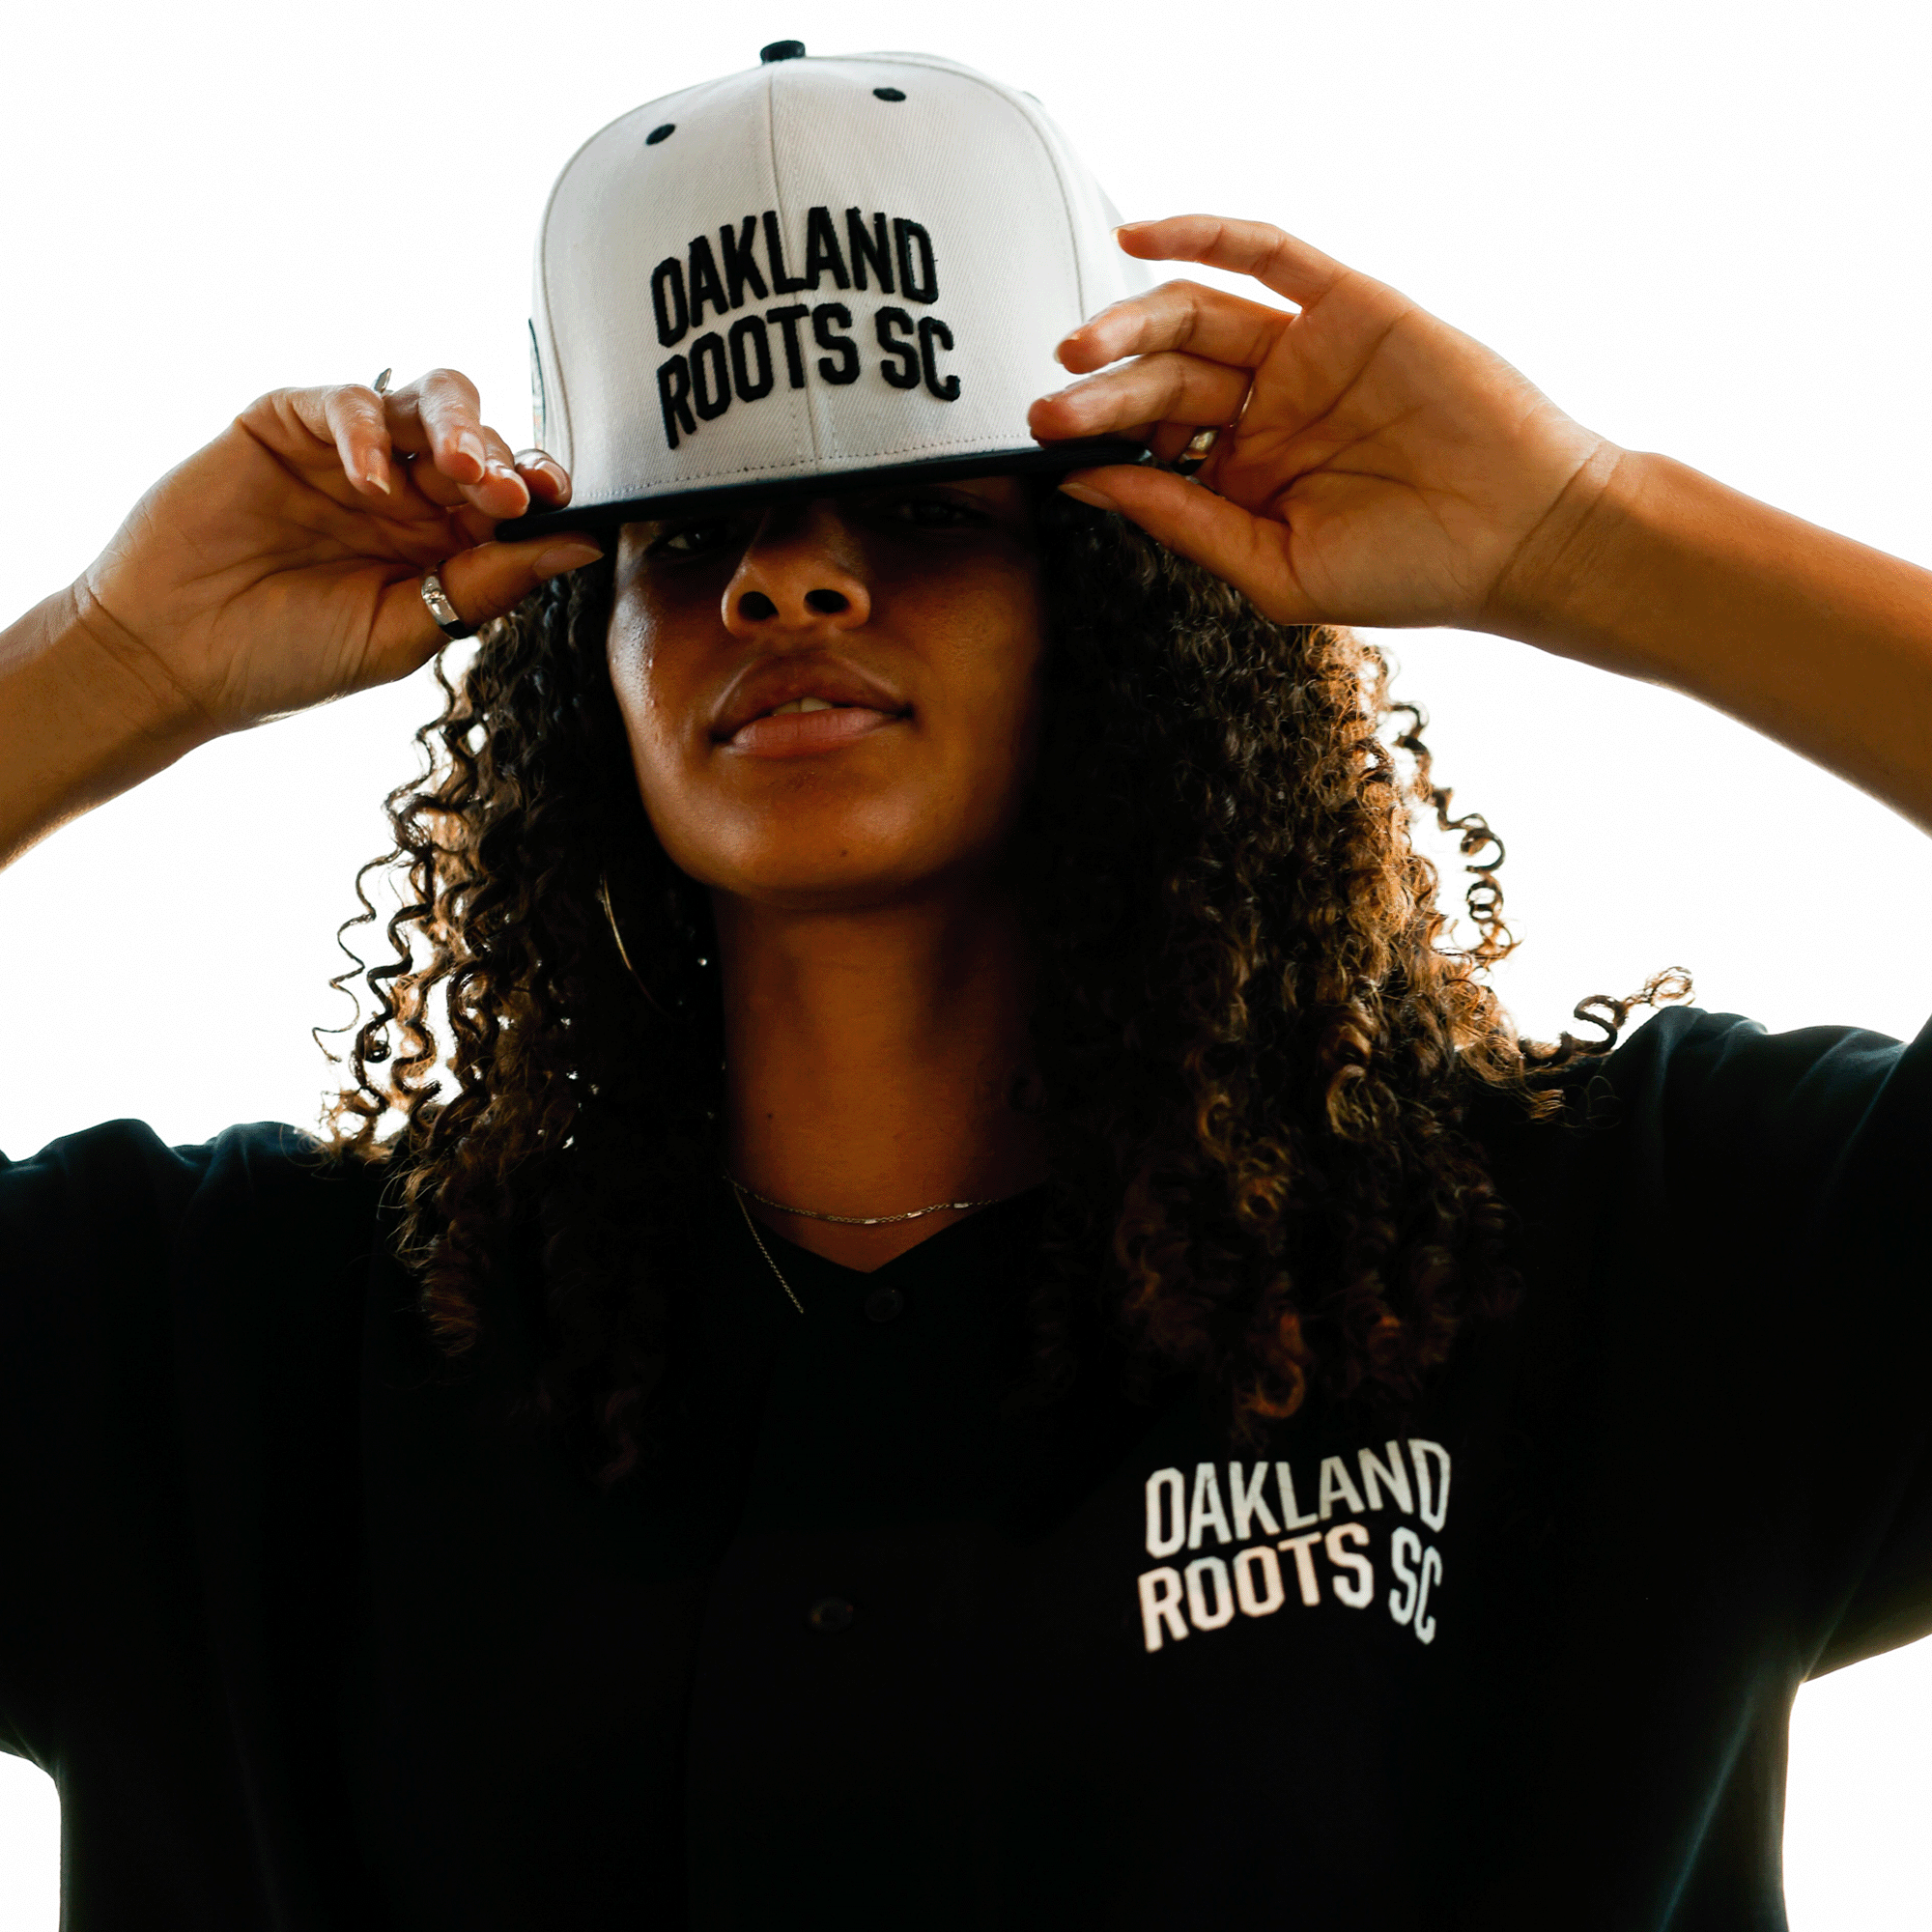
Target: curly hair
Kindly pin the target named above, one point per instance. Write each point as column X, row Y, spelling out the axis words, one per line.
column 1258, row 1050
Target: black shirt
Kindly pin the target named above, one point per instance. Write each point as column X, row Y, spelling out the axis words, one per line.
column 313, row 1632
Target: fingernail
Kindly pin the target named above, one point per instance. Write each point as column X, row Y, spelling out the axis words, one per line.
column 571, row 555
column 376, row 475
column 1080, row 492
column 471, row 445
column 501, row 472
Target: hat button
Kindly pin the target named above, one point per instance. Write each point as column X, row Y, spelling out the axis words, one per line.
column 782, row 51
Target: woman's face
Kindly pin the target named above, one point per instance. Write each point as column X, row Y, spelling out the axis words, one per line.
column 833, row 703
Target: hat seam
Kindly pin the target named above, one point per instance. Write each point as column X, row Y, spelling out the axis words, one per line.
column 972, row 447
column 770, row 78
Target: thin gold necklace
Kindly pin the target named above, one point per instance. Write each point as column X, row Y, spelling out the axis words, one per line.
column 863, row 1220
column 738, row 1195
column 739, row 1192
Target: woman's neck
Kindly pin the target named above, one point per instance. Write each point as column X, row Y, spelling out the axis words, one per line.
column 871, row 1062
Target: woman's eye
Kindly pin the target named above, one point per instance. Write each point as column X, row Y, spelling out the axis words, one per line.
column 929, row 513
column 691, row 539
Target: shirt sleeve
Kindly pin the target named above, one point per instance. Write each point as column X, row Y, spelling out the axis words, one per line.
column 1763, row 1287
column 87, row 1230
column 125, row 1264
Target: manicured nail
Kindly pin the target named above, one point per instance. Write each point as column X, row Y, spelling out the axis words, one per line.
column 376, row 473
column 470, row 444
column 572, row 554
column 1080, row 492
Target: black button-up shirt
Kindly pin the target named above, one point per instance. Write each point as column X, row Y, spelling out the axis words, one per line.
column 315, row 1631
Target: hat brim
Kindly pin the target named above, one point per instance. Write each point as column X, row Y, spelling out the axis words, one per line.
column 1036, row 460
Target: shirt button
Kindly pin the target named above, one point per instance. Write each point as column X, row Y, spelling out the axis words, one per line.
column 829, row 1613
column 883, row 1304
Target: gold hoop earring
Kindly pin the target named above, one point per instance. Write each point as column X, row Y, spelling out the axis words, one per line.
column 604, row 899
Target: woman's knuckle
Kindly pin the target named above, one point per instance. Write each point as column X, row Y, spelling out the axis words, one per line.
column 450, row 385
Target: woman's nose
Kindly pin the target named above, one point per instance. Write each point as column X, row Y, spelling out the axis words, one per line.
column 802, row 571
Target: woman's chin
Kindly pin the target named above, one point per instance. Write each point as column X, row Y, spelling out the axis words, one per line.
column 813, row 842
column 833, row 874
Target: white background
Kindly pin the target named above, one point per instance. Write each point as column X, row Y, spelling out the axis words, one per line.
column 1700, row 226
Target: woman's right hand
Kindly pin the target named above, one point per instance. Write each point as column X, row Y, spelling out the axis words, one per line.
column 281, row 565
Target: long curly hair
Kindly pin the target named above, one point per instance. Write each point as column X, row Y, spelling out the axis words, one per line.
column 1258, row 1047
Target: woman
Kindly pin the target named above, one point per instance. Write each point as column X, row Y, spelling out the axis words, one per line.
column 986, row 1331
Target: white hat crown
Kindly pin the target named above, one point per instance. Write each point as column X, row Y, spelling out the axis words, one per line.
column 813, row 271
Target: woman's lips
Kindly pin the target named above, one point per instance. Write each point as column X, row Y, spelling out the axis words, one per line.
column 803, row 734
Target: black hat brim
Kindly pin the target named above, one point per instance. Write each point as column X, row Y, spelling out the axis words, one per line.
column 1037, row 460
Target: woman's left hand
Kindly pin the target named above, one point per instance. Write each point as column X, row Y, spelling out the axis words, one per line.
column 1379, row 467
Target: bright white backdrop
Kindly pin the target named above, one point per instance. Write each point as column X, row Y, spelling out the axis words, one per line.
column 1699, row 225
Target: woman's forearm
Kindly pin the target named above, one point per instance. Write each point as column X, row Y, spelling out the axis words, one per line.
column 80, row 721
column 1654, row 570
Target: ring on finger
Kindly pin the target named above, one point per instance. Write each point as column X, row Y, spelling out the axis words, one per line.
column 436, row 599
column 1196, row 451
column 381, row 384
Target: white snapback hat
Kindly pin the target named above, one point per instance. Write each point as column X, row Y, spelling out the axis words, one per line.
column 811, row 275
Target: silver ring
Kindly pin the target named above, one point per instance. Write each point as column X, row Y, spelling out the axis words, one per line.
column 381, row 384
column 436, row 599
column 1199, row 447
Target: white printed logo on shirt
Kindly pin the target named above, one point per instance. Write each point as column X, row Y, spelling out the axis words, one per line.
column 1205, row 1593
